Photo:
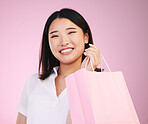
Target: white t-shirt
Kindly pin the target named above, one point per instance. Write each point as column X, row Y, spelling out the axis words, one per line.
column 39, row 102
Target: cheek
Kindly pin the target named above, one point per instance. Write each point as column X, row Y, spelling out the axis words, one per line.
column 78, row 40
column 52, row 45
column 79, row 46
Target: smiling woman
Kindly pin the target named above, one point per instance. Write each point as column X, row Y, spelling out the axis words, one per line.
column 66, row 45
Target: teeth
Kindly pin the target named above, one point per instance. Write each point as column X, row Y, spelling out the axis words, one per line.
column 67, row 50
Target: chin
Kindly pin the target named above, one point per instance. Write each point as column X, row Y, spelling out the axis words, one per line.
column 70, row 60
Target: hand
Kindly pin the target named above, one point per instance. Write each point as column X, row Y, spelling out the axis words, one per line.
column 94, row 54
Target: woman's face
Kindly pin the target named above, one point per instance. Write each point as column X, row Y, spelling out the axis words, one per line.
column 66, row 40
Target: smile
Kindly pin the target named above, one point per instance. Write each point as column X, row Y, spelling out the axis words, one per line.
column 66, row 51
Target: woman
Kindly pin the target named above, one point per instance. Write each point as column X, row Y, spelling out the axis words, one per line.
column 66, row 45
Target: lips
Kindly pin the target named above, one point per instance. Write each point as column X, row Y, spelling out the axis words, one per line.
column 66, row 49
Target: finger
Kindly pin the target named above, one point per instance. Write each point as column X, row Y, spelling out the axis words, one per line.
column 97, row 55
column 94, row 57
column 94, row 50
column 93, row 46
column 84, row 62
column 91, row 55
column 97, row 52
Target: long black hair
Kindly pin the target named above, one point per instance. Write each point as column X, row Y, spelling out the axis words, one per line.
column 46, row 59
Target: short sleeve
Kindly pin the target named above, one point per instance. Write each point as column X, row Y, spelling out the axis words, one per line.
column 22, row 107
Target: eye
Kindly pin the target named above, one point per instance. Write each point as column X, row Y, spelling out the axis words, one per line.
column 54, row 36
column 72, row 32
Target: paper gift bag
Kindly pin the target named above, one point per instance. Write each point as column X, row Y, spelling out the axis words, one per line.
column 99, row 98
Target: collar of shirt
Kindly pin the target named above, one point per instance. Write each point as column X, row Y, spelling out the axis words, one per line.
column 55, row 70
column 49, row 83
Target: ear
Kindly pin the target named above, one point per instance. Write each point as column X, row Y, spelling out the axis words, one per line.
column 86, row 38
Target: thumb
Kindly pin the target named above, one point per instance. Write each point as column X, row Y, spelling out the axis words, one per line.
column 84, row 62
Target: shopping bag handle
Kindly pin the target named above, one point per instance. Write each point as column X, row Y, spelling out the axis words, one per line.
column 101, row 57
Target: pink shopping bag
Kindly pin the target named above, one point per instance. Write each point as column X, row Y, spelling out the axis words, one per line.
column 99, row 98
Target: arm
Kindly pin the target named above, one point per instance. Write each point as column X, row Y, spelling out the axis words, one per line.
column 22, row 107
column 68, row 121
column 21, row 119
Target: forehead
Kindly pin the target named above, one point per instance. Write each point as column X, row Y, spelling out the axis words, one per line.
column 61, row 24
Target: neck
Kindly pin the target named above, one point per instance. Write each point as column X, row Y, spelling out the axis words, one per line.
column 66, row 69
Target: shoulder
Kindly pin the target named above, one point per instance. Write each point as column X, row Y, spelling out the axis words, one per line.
column 34, row 77
column 33, row 81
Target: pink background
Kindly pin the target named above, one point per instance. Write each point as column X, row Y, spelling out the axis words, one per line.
column 119, row 28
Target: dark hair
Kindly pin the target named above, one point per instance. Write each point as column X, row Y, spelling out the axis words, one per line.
column 46, row 59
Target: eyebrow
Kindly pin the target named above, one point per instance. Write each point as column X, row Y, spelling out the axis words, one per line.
column 66, row 29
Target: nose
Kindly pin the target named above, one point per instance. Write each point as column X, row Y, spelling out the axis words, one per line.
column 64, row 41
